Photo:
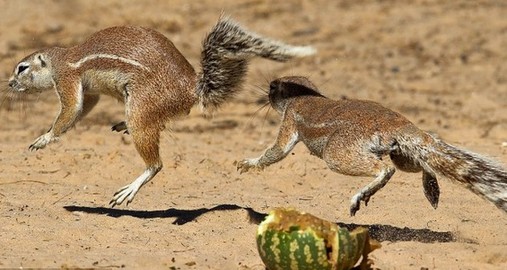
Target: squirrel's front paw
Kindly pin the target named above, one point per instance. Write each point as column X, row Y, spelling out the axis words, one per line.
column 247, row 164
column 42, row 141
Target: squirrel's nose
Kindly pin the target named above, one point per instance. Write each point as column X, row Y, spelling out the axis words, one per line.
column 13, row 83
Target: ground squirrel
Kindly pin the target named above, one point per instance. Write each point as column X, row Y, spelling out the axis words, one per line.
column 143, row 69
column 353, row 137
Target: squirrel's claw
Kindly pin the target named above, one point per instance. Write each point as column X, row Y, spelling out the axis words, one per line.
column 126, row 192
column 355, row 203
column 42, row 141
column 246, row 164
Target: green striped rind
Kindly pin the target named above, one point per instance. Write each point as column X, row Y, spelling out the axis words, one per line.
column 350, row 247
column 296, row 249
column 290, row 240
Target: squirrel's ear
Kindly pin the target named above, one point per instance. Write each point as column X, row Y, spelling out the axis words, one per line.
column 42, row 62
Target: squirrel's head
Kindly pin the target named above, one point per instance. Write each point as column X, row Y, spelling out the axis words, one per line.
column 283, row 89
column 33, row 73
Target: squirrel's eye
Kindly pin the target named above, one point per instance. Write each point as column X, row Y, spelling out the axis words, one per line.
column 272, row 87
column 22, row 68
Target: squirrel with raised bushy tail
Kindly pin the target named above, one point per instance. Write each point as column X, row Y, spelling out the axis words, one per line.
column 354, row 137
column 143, row 69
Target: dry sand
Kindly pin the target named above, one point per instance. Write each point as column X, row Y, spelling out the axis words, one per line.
column 440, row 63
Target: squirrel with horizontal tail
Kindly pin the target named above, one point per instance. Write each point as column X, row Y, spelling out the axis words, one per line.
column 143, row 69
column 354, row 137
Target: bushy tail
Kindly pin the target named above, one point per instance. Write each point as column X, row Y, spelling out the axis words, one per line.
column 481, row 175
column 224, row 60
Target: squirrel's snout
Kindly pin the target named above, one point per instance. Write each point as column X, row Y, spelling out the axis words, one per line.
column 13, row 83
column 16, row 86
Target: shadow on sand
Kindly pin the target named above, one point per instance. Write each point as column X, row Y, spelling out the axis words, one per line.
column 377, row 231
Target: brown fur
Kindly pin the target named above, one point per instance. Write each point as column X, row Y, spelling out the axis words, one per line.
column 143, row 69
column 355, row 137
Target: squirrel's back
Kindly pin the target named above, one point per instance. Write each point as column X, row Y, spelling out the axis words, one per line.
column 368, row 115
column 160, row 79
column 137, row 45
column 320, row 119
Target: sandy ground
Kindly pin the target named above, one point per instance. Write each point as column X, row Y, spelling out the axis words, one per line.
column 440, row 63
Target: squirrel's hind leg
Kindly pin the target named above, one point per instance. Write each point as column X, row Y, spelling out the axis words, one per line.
column 146, row 138
column 89, row 102
column 431, row 188
column 129, row 191
column 369, row 190
column 429, row 180
column 349, row 155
